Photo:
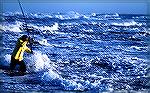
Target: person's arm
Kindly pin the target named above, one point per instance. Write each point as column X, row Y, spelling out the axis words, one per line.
column 28, row 50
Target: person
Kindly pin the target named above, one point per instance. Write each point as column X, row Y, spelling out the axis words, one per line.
column 17, row 54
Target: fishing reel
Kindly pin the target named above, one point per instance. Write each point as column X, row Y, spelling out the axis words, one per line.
column 31, row 40
column 27, row 28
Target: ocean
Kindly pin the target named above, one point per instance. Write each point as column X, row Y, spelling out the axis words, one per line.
column 73, row 52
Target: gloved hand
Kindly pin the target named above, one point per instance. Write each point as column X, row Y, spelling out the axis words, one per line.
column 32, row 52
column 31, row 40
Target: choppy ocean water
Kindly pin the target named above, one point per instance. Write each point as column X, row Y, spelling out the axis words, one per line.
column 79, row 52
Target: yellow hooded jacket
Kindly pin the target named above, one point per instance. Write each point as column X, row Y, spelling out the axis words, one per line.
column 18, row 52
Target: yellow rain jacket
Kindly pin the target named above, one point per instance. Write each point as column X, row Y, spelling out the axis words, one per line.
column 18, row 52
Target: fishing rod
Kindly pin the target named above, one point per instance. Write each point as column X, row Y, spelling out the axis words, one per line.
column 23, row 15
column 26, row 27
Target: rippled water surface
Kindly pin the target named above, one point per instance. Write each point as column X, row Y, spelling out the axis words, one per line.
column 79, row 52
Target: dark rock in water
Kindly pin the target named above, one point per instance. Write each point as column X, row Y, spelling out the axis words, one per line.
column 16, row 74
column 4, row 67
column 103, row 63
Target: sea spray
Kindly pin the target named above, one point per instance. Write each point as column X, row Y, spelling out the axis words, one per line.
column 38, row 61
column 12, row 27
column 7, row 59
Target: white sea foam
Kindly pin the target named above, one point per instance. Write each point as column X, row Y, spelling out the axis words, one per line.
column 16, row 27
column 38, row 62
column 50, row 75
column 51, row 29
column 53, row 77
column 44, row 42
column 41, row 15
column 132, row 23
column 69, row 15
column 7, row 59
column 11, row 27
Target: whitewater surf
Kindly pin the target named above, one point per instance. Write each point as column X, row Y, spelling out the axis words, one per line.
column 79, row 52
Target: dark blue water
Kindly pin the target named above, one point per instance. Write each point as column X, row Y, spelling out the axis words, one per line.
column 79, row 52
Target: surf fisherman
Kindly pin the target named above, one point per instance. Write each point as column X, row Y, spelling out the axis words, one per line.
column 17, row 54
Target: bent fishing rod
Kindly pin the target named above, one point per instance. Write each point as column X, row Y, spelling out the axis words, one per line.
column 26, row 27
